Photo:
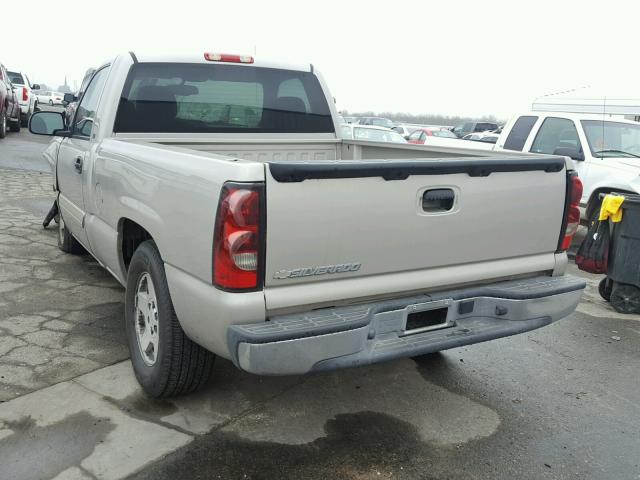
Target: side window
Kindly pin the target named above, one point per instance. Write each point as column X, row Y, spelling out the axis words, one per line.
column 423, row 136
column 519, row 133
column 555, row 133
column 86, row 112
column 415, row 135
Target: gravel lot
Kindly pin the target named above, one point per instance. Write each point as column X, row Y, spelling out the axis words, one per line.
column 559, row 403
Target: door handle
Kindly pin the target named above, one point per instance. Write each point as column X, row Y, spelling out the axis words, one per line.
column 438, row 200
column 78, row 165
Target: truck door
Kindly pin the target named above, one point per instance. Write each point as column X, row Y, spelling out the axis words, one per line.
column 73, row 158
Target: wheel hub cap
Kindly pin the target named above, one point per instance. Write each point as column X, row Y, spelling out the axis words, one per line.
column 146, row 318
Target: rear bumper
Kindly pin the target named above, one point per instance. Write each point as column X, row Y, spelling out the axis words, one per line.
column 334, row 338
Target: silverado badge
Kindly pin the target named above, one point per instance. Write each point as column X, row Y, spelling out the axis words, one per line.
column 322, row 270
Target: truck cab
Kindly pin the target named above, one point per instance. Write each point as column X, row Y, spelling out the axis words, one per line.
column 605, row 149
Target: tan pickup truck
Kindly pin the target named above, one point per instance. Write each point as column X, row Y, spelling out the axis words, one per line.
column 217, row 190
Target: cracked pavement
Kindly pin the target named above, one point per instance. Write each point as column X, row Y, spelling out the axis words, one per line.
column 556, row 403
column 60, row 315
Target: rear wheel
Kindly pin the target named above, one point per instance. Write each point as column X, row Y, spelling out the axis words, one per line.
column 165, row 361
column 15, row 125
column 51, row 102
column 3, row 124
column 625, row 298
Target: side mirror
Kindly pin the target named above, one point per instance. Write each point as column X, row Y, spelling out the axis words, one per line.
column 571, row 152
column 70, row 97
column 48, row 123
column 35, row 86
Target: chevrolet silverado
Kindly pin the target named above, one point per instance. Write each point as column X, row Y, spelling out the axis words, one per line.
column 217, row 190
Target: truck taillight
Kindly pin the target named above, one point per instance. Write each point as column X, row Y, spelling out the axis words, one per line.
column 227, row 57
column 238, row 245
column 572, row 211
column 25, row 94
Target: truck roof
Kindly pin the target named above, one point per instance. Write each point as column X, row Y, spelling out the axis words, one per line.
column 199, row 58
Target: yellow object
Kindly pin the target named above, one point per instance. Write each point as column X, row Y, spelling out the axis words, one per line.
column 611, row 208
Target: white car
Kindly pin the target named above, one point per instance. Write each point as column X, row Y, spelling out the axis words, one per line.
column 26, row 97
column 50, row 98
column 370, row 133
column 605, row 149
column 405, row 130
column 486, row 137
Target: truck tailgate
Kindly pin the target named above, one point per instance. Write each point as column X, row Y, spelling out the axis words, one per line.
column 386, row 221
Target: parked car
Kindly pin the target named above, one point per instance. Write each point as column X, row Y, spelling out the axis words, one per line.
column 420, row 135
column 606, row 151
column 70, row 101
column 486, row 137
column 26, row 97
column 9, row 105
column 376, row 121
column 49, row 98
column 351, row 119
column 473, row 127
column 405, row 130
column 258, row 234
column 370, row 133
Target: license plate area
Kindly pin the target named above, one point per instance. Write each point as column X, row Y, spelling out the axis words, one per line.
column 428, row 316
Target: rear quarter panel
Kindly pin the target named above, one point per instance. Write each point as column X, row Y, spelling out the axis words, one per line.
column 171, row 192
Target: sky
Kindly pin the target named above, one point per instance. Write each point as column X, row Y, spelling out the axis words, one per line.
column 466, row 58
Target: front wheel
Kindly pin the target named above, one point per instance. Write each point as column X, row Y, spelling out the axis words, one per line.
column 51, row 102
column 165, row 361
column 66, row 241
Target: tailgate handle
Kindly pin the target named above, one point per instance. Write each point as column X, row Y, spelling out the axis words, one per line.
column 438, row 200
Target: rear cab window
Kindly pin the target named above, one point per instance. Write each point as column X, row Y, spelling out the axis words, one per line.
column 520, row 132
column 16, row 78
column 195, row 98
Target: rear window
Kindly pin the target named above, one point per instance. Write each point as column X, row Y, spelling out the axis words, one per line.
column 194, row 98
column 16, row 78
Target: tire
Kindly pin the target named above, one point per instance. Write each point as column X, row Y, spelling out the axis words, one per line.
column 3, row 124
column 15, row 126
column 24, row 121
column 165, row 361
column 426, row 358
column 604, row 288
column 625, row 298
column 66, row 242
column 51, row 103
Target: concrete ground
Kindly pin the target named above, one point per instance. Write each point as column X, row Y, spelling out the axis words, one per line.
column 561, row 402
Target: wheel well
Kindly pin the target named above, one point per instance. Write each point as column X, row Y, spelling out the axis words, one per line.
column 131, row 236
column 595, row 198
